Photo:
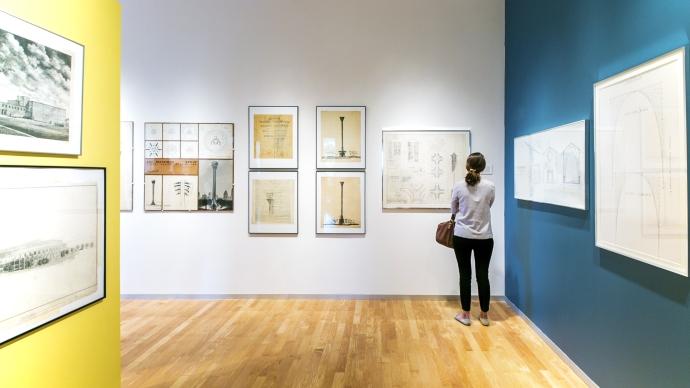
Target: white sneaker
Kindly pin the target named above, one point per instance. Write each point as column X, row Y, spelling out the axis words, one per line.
column 484, row 321
column 464, row 321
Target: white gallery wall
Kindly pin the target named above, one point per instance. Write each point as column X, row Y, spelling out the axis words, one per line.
column 411, row 62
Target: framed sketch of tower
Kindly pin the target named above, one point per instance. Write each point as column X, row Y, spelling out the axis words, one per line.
column 52, row 250
column 640, row 155
column 273, row 202
column 40, row 89
column 189, row 167
column 340, row 137
column 340, row 202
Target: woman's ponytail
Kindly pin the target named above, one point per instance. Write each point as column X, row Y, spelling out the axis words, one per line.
column 475, row 165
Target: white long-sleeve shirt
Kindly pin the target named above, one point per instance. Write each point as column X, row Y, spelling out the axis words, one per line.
column 472, row 208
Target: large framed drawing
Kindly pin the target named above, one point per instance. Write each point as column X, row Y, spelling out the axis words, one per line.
column 273, row 202
column 41, row 80
column 550, row 166
column 341, row 137
column 52, row 250
column 420, row 166
column 189, row 167
column 273, row 136
column 340, row 202
column 126, row 165
column 641, row 163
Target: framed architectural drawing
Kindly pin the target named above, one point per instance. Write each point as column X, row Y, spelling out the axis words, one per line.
column 550, row 166
column 126, row 165
column 52, row 253
column 189, row 167
column 273, row 202
column 41, row 84
column 273, row 136
column 341, row 137
column 420, row 166
column 641, row 163
column 340, row 202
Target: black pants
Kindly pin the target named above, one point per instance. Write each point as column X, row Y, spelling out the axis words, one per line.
column 482, row 256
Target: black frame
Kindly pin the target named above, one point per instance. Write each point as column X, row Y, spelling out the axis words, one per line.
column 364, row 132
column 249, row 138
column 364, row 202
column 105, row 252
column 383, row 164
column 249, row 195
column 234, row 176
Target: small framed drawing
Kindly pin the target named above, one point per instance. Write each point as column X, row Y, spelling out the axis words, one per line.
column 340, row 202
column 341, row 137
column 42, row 77
column 52, row 253
column 641, row 164
column 126, row 165
column 273, row 202
column 421, row 165
column 273, row 136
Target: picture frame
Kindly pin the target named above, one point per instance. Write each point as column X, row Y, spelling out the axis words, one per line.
column 126, row 166
column 52, row 254
column 550, row 166
column 640, row 157
column 340, row 202
column 273, row 137
column 45, row 115
column 421, row 165
column 189, row 166
column 341, row 137
column 273, row 202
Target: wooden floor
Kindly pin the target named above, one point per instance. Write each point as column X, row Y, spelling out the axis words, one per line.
column 330, row 343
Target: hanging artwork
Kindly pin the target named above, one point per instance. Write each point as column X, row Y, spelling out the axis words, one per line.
column 550, row 166
column 273, row 202
column 420, row 167
column 273, row 136
column 41, row 76
column 189, row 166
column 341, row 137
column 641, row 163
column 52, row 253
column 126, row 165
column 340, row 202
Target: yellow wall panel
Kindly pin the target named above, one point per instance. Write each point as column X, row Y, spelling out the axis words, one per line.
column 82, row 349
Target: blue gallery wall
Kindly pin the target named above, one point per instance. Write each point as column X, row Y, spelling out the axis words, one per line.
column 625, row 323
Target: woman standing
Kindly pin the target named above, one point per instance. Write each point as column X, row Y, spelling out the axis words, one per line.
column 470, row 205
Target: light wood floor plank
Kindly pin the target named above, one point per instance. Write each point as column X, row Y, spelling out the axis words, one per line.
column 331, row 343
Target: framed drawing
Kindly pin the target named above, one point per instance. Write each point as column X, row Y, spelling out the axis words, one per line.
column 340, row 202
column 341, row 137
column 189, row 167
column 550, row 166
column 41, row 83
column 273, row 136
column 273, row 202
column 52, row 253
column 640, row 155
column 126, row 165
column 420, row 166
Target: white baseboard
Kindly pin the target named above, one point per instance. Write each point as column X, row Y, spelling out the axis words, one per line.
column 587, row 380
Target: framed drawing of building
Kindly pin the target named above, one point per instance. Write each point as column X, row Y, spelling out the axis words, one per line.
column 421, row 165
column 52, row 253
column 640, row 155
column 341, row 137
column 340, row 202
column 189, row 167
column 40, row 89
column 126, row 165
column 273, row 137
column 273, row 202
column 550, row 166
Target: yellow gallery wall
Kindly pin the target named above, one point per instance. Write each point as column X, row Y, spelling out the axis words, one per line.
column 82, row 349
